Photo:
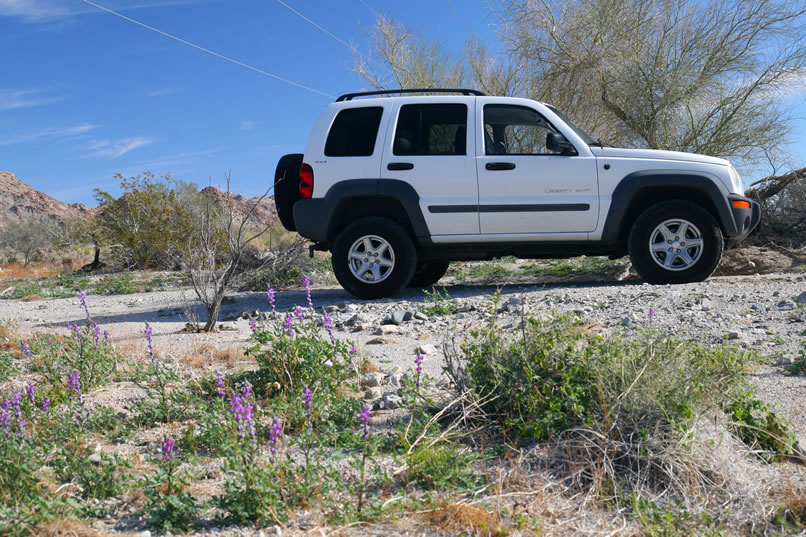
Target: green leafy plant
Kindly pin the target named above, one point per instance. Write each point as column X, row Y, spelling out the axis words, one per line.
column 764, row 431
column 171, row 507
column 438, row 303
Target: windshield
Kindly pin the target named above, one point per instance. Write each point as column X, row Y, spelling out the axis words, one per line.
column 582, row 134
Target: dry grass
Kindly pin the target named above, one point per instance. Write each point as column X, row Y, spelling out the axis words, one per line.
column 31, row 298
column 367, row 366
column 18, row 271
column 793, row 512
column 205, row 355
column 459, row 517
column 71, row 528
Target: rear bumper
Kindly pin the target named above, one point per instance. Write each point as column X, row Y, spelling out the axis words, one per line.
column 746, row 220
column 310, row 219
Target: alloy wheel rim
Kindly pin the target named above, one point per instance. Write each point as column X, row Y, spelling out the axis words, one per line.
column 371, row 259
column 676, row 244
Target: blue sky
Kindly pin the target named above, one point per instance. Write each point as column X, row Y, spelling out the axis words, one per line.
column 85, row 94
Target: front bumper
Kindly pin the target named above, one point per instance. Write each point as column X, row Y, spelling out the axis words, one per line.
column 746, row 219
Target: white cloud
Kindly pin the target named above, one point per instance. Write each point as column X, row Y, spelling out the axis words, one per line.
column 34, row 10
column 161, row 92
column 249, row 125
column 49, row 133
column 11, row 99
column 112, row 149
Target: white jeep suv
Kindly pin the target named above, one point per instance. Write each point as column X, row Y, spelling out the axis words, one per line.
column 398, row 183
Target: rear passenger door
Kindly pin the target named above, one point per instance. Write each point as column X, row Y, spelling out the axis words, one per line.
column 430, row 145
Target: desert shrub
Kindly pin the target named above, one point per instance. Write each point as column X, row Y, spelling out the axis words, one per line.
column 27, row 239
column 442, row 465
column 767, row 433
column 284, row 264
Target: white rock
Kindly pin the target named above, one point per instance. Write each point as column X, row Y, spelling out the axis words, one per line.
column 426, row 348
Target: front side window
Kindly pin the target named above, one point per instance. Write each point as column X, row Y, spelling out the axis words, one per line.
column 431, row 129
column 515, row 130
column 354, row 132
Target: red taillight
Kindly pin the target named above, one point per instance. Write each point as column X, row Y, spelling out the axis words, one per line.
column 305, row 181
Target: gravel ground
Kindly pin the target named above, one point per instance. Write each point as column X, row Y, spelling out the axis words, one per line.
column 766, row 314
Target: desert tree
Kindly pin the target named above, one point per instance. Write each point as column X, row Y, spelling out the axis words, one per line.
column 217, row 249
column 27, row 239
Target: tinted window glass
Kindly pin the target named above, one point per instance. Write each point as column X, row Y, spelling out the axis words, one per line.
column 431, row 129
column 515, row 130
column 353, row 132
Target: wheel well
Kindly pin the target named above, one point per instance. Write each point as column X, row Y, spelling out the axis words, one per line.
column 648, row 197
column 350, row 210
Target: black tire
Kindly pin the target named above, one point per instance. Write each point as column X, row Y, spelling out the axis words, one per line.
column 675, row 242
column 286, row 188
column 388, row 242
column 429, row 274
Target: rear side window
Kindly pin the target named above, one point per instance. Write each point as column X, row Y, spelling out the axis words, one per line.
column 354, row 132
column 431, row 129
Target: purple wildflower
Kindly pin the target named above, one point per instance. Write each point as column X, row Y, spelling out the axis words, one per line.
column 253, row 325
column 5, row 417
column 289, row 322
column 82, row 297
column 45, row 404
column 150, row 339
column 307, row 397
column 106, row 336
column 219, row 384
column 10, row 408
column 96, row 330
column 167, row 448
column 419, row 361
column 306, row 283
column 270, row 295
column 74, row 385
column 365, row 415
column 26, row 350
column 275, row 434
column 30, row 389
column 651, row 314
column 242, row 411
column 328, row 322
column 299, row 314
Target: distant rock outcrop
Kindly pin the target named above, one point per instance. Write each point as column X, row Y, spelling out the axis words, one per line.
column 265, row 214
column 21, row 203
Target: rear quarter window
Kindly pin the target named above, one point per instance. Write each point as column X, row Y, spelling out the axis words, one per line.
column 354, row 132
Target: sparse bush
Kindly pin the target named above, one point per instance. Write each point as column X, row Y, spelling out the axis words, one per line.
column 764, row 431
column 28, row 239
column 438, row 302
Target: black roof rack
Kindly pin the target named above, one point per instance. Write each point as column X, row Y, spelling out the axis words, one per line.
column 351, row 96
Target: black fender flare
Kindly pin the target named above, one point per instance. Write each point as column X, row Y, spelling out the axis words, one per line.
column 315, row 220
column 638, row 184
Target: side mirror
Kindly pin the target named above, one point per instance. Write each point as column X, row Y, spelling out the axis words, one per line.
column 557, row 143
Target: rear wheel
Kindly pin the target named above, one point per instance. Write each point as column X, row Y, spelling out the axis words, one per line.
column 429, row 274
column 373, row 257
column 286, row 188
column 675, row 242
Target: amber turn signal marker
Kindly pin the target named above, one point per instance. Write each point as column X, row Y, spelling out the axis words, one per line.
column 740, row 204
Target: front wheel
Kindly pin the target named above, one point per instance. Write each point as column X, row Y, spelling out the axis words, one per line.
column 429, row 274
column 675, row 242
column 373, row 258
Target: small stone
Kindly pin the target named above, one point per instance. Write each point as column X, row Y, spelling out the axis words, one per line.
column 758, row 307
column 395, row 380
column 420, row 315
column 706, row 303
column 423, row 337
column 398, row 317
column 733, row 336
column 380, row 341
column 43, row 306
column 94, row 458
column 332, row 308
column 387, row 329
column 426, row 349
column 517, row 301
column 227, row 327
column 626, row 321
column 407, row 315
column 801, row 298
column 144, row 533
column 392, row 401
column 371, row 380
column 391, row 369
column 372, row 393
column 351, row 308
column 785, row 306
column 785, row 361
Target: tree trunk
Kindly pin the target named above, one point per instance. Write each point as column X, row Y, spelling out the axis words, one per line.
column 212, row 313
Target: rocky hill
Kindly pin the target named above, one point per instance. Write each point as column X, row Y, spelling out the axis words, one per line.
column 265, row 214
column 21, row 203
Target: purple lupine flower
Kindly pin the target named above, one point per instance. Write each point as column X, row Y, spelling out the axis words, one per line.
column 150, row 339
column 299, row 314
column 253, row 325
column 275, row 434
column 307, row 397
column 30, row 389
column 82, row 297
column 419, row 361
column 328, row 322
column 96, row 330
column 11, row 409
column 74, row 385
column 5, row 417
column 306, row 283
column 26, row 350
column 45, row 404
column 289, row 322
column 243, row 412
column 219, row 384
column 651, row 314
column 167, row 448
column 364, row 416
column 270, row 295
